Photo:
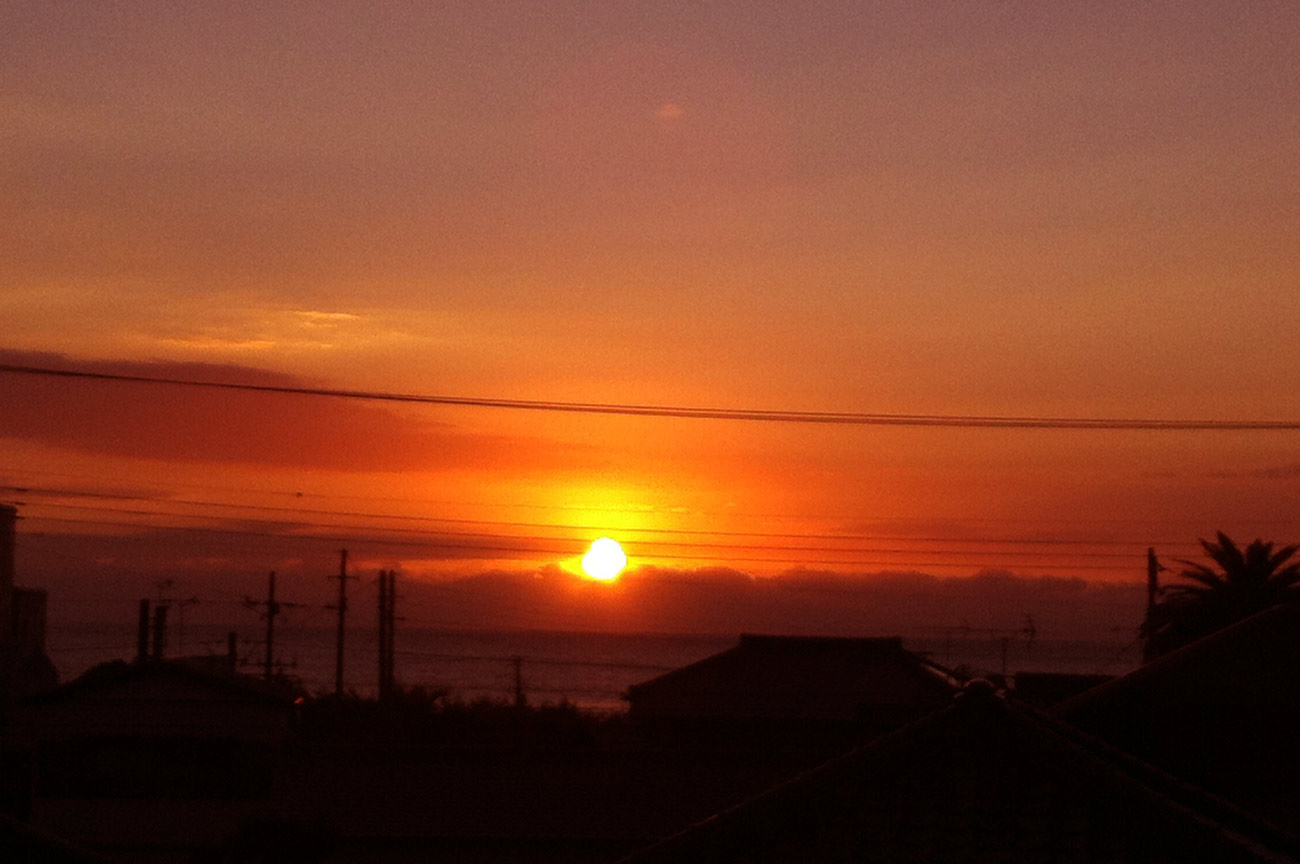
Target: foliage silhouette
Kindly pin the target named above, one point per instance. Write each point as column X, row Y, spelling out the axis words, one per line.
column 429, row 718
column 1245, row 582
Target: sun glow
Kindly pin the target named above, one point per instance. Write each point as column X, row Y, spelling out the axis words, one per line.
column 605, row 560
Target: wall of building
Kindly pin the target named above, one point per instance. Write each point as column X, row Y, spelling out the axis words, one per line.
column 28, row 609
column 8, row 534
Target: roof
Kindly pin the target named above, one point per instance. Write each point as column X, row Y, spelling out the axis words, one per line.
column 982, row 779
column 796, row 677
column 1252, row 661
column 1043, row 689
column 1221, row 712
column 165, row 699
column 23, row 844
column 117, row 675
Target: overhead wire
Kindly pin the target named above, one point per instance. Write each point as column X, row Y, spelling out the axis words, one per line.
column 694, row 412
column 505, row 544
column 647, row 547
column 528, row 552
column 560, row 506
column 578, row 541
column 497, row 523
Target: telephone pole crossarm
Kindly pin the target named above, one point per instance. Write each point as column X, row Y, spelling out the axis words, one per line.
column 342, row 608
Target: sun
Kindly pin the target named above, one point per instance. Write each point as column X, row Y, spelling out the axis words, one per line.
column 605, row 560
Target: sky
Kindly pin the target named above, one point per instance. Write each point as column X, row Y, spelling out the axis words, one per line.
column 1025, row 210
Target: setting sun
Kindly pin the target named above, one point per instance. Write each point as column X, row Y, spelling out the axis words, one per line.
column 605, row 560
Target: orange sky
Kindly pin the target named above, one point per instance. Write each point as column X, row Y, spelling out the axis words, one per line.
column 938, row 208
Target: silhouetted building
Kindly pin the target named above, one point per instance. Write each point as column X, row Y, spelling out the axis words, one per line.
column 1045, row 689
column 981, row 780
column 22, row 844
column 776, row 687
column 24, row 665
column 157, row 755
column 1222, row 712
column 570, row 804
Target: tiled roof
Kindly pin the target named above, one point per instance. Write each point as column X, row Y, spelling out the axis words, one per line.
column 1222, row 713
column 795, row 677
column 22, row 844
column 981, row 780
column 108, row 676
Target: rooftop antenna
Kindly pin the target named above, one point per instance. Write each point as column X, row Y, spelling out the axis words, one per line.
column 180, row 603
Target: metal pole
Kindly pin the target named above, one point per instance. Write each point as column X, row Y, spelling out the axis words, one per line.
column 271, row 610
column 343, row 611
column 520, row 699
column 392, row 630
column 383, row 635
column 142, row 633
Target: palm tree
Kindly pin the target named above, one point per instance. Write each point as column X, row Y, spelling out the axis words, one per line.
column 1245, row 582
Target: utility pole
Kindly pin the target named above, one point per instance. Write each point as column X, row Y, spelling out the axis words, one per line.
column 1154, row 568
column 342, row 608
column 521, row 700
column 272, row 609
column 387, row 625
column 383, row 634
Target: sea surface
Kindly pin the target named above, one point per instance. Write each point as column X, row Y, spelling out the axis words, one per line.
column 591, row 670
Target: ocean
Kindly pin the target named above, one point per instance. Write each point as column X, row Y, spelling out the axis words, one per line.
column 591, row 670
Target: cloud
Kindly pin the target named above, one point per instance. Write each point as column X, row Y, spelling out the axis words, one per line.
column 1271, row 472
column 230, row 325
column 98, row 577
column 729, row 601
column 199, row 425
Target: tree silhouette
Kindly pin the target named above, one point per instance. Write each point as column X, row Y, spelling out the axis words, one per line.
column 1246, row 581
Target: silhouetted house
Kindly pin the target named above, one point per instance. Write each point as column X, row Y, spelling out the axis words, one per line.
column 150, row 755
column 22, row 844
column 1222, row 712
column 570, row 804
column 159, row 700
column 24, row 665
column 783, row 685
column 981, row 780
column 1045, row 689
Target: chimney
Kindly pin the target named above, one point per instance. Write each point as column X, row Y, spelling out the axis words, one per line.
column 8, row 536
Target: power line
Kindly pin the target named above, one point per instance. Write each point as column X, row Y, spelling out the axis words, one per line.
column 536, row 661
column 298, row 494
column 497, row 523
column 1073, row 520
column 524, row 552
column 648, row 547
column 651, row 543
column 700, row 413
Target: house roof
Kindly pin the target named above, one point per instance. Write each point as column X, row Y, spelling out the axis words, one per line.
column 1250, row 663
column 1221, row 712
column 982, row 779
column 23, row 844
column 1042, row 689
column 154, row 699
column 797, row 677
column 117, row 675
